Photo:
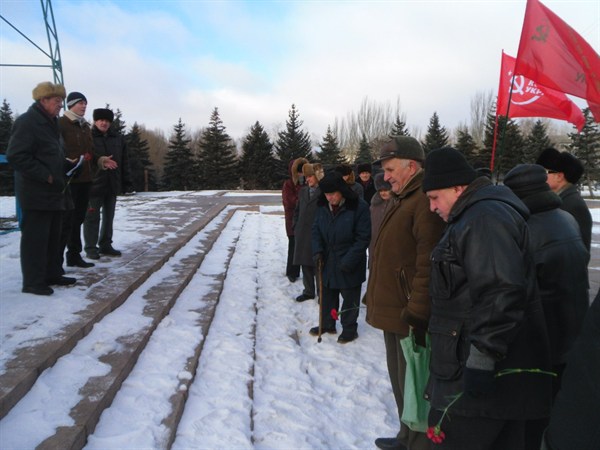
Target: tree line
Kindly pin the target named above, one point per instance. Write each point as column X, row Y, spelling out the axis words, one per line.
column 211, row 159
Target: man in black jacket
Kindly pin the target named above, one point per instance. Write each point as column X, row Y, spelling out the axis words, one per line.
column 486, row 317
column 561, row 270
column 35, row 152
column 109, row 181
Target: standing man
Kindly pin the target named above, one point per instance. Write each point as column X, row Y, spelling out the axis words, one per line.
column 397, row 292
column 564, row 172
column 365, row 179
column 340, row 237
column 35, row 152
column 304, row 216
column 108, row 183
column 77, row 137
column 561, row 269
column 486, row 315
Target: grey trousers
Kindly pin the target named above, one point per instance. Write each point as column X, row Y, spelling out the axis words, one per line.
column 412, row 440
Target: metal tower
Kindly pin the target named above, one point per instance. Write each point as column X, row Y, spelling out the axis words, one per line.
column 54, row 55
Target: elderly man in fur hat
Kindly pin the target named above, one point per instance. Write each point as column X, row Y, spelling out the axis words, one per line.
column 564, row 172
column 35, row 152
column 304, row 216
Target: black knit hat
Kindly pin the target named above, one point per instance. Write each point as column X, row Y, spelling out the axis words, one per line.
column 403, row 147
column 380, row 183
column 527, row 179
column 333, row 182
column 446, row 167
column 366, row 167
column 563, row 162
column 103, row 113
column 75, row 97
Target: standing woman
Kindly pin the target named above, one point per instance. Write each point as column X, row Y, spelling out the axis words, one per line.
column 289, row 194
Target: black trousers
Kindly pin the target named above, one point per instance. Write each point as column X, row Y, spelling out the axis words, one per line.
column 308, row 280
column 73, row 219
column 350, row 307
column 479, row 433
column 40, row 247
column 291, row 270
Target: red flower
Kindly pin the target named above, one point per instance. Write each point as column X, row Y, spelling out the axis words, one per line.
column 334, row 314
column 87, row 156
column 436, row 434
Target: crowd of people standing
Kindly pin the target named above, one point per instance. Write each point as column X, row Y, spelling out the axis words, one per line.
column 491, row 278
column 67, row 173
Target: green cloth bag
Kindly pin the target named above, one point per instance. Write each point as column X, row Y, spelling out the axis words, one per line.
column 416, row 408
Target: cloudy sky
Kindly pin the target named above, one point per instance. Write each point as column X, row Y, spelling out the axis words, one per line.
column 158, row 61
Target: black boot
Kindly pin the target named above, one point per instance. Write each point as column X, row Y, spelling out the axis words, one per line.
column 75, row 260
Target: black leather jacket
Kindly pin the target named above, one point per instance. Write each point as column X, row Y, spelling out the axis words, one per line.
column 484, row 297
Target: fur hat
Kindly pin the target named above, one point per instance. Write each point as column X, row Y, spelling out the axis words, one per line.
column 403, row 147
column 315, row 169
column 344, row 169
column 366, row 167
column 446, row 167
column 563, row 162
column 333, row 182
column 47, row 89
column 75, row 97
column 103, row 113
column 527, row 179
column 380, row 183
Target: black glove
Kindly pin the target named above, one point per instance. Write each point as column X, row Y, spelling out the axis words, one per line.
column 318, row 259
column 478, row 383
column 419, row 336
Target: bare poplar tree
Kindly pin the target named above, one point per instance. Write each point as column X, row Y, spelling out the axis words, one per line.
column 481, row 105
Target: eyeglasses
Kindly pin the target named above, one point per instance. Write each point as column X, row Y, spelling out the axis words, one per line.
column 550, row 171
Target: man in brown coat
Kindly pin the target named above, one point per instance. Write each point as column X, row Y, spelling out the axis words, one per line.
column 397, row 290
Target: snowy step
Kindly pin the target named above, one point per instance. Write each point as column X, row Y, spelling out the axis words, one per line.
column 104, row 358
column 109, row 287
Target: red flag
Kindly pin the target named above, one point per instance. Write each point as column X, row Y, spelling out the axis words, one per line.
column 530, row 100
column 554, row 55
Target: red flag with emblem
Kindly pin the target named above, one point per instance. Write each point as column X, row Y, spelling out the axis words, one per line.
column 531, row 100
column 554, row 55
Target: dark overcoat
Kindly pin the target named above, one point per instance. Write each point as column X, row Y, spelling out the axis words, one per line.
column 77, row 138
column 561, row 268
column 289, row 193
column 573, row 203
column 35, row 152
column 343, row 239
column 304, row 216
column 113, row 181
column 484, row 297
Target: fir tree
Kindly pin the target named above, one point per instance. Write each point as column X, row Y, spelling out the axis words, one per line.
column 7, row 178
column 218, row 158
column 436, row 137
column 118, row 124
column 585, row 145
column 258, row 167
column 330, row 150
column 179, row 172
column 467, row 146
column 399, row 128
column 536, row 142
column 139, row 160
column 293, row 143
column 509, row 146
column 364, row 155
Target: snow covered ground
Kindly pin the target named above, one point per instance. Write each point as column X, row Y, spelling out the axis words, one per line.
column 262, row 381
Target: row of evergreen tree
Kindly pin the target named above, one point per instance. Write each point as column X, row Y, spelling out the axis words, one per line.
column 216, row 163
